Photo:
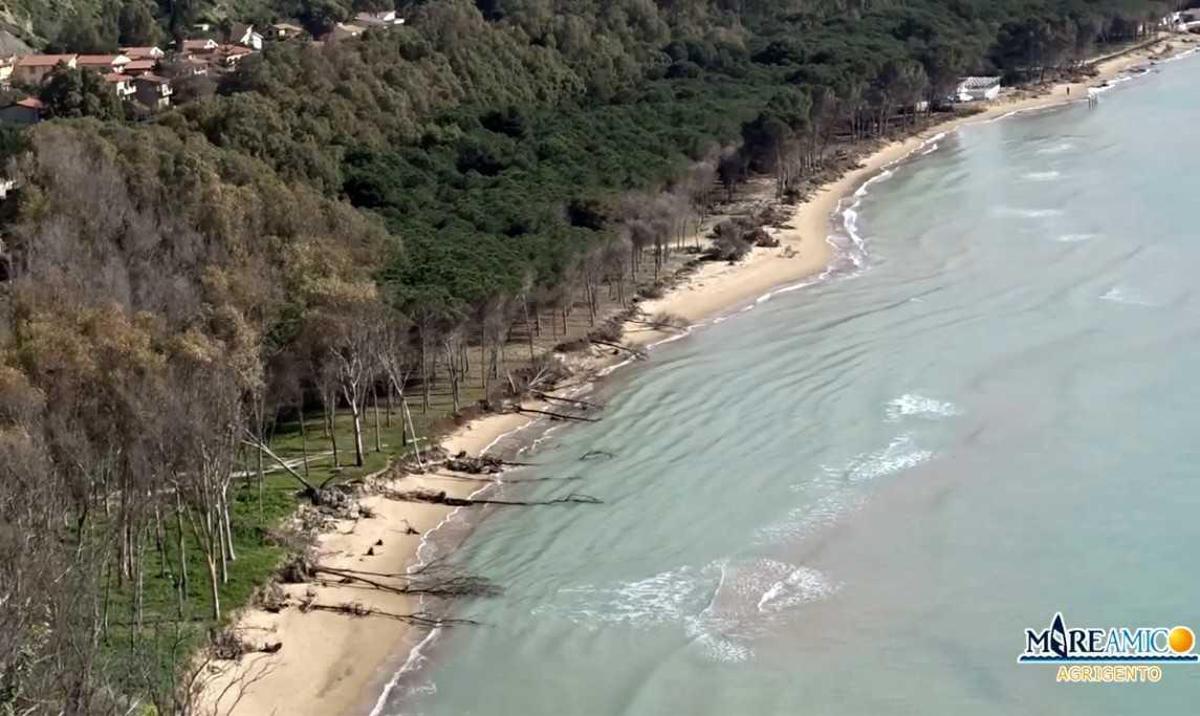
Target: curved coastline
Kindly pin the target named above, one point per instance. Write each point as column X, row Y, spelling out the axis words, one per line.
column 364, row 664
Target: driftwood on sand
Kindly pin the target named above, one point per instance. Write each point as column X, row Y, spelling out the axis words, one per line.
column 357, row 609
column 439, row 583
column 441, row 498
column 559, row 416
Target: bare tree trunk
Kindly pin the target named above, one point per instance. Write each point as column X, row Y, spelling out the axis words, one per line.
column 412, row 428
column 378, row 438
column 332, row 413
column 182, row 546
column 356, row 415
column 303, row 442
column 387, row 416
column 528, row 327
column 212, row 580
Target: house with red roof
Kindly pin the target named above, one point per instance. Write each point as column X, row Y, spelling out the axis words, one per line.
column 122, row 84
column 23, row 111
column 33, row 69
column 143, row 53
column 140, row 67
column 152, row 91
column 101, row 63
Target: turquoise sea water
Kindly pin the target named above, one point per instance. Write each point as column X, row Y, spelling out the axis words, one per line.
column 854, row 498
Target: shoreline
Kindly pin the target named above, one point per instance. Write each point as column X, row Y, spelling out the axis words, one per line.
column 336, row 663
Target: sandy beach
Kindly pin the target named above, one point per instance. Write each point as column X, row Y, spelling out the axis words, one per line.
column 334, row 663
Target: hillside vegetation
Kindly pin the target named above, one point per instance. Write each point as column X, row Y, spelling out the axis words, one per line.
column 381, row 221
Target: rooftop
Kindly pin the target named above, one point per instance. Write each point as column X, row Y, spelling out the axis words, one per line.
column 101, row 60
column 43, row 60
column 141, row 53
column 978, row 82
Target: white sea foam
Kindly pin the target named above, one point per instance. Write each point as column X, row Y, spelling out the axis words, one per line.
column 1127, row 296
column 931, row 145
column 1182, row 55
column 806, row 519
column 1028, row 213
column 1059, row 148
column 1074, row 238
column 721, row 607
column 913, row 405
column 1042, row 176
column 900, row 454
column 839, row 487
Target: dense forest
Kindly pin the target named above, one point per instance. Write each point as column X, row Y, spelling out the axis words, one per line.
column 333, row 226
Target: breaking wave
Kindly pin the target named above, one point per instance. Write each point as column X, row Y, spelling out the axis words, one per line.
column 1028, row 213
column 1059, row 148
column 900, row 454
column 1126, row 296
column 913, row 405
column 721, row 607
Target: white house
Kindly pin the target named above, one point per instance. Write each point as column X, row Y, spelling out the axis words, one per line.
column 378, row 19
column 343, row 31
column 6, row 70
column 977, row 89
column 102, row 63
column 286, row 30
column 244, row 35
column 143, row 53
column 122, row 84
column 198, row 46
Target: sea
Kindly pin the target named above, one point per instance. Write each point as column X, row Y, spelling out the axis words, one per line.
column 855, row 497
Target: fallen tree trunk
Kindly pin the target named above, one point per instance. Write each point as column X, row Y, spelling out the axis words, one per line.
column 441, row 498
column 636, row 352
column 569, row 401
column 355, row 609
column 498, row 481
column 441, row 585
column 560, row 416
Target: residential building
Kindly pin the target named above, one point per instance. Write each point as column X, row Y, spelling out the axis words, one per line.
column 194, row 65
column 244, row 35
column 152, row 91
column 286, row 31
column 102, row 63
column 386, row 18
column 6, row 70
column 23, row 111
column 143, row 53
column 343, row 31
column 140, row 67
column 199, row 46
column 32, row 69
column 122, row 83
column 230, row 55
column 977, row 89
